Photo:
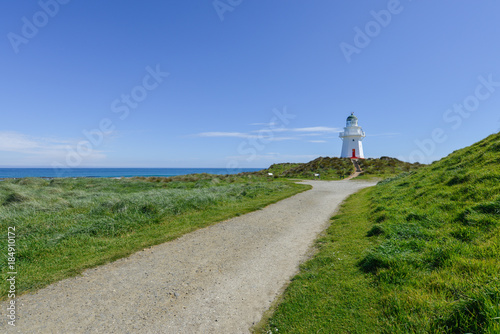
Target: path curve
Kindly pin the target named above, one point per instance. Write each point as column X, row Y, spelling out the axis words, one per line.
column 219, row 279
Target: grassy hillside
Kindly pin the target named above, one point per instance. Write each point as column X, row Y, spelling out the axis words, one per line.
column 430, row 261
column 63, row 226
column 338, row 168
column 328, row 168
column 386, row 166
column 439, row 262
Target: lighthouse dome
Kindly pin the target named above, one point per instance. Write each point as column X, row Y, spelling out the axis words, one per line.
column 352, row 117
column 352, row 120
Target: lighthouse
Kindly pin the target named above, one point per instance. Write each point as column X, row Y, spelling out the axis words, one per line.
column 352, row 136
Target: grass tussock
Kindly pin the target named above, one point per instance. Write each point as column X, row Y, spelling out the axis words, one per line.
column 433, row 265
column 66, row 225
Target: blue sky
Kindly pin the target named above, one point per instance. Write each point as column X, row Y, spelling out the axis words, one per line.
column 239, row 83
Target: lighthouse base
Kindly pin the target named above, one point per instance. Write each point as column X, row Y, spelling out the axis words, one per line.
column 352, row 149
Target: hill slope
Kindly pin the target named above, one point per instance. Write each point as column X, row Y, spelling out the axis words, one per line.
column 419, row 253
column 337, row 168
column 440, row 258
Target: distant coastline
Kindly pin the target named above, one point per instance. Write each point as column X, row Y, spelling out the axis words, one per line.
column 8, row 173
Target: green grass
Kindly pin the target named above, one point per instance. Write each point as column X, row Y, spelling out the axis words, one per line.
column 372, row 177
column 434, row 265
column 330, row 295
column 64, row 226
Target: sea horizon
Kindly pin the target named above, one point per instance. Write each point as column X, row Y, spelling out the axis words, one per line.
column 47, row 172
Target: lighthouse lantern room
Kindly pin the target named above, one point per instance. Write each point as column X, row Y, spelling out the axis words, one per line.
column 352, row 136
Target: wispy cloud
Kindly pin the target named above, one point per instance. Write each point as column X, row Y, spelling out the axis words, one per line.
column 313, row 134
column 18, row 142
column 320, row 130
column 23, row 149
column 270, row 124
column 254, row 141
column 281, row 138
column 317, row 129
column 388, row 134
column 265, row 135
column 272, row 157
column 226, row 134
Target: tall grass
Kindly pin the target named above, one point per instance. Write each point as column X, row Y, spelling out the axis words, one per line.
column 66, row 225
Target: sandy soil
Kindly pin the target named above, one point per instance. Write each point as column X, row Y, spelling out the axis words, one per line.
column 219, row 279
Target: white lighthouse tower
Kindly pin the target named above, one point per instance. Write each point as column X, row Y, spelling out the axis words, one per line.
column 352, row 137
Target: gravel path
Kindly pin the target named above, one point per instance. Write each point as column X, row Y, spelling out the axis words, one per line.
column 219, row 279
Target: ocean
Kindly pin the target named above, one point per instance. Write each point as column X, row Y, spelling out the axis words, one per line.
column 112, row 172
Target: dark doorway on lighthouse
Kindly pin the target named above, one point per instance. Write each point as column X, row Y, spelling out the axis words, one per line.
column 354, row 153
